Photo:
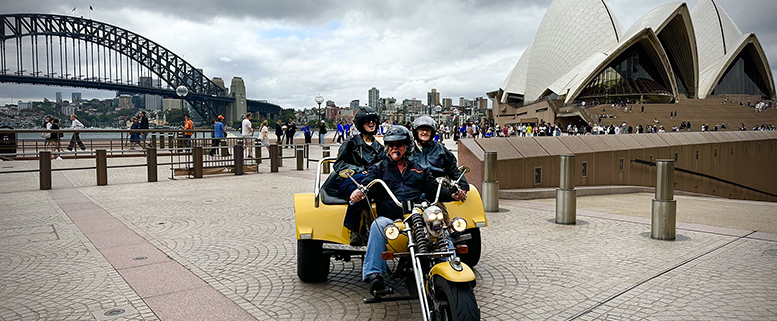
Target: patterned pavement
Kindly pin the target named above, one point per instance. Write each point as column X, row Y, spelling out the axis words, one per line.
column 236, row 233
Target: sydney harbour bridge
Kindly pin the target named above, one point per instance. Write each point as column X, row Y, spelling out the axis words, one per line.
column 44, row 49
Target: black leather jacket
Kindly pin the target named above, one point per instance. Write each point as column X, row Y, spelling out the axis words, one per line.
column 440, row 162
column 409, row 185
column 357, row 155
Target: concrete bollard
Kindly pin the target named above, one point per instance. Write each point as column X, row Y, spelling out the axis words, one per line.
column 566, row 194
column 102, row 167
column 663, row 223
column 490, row 184
column 151, row 164
column 274, row 158
column 300, row 158
column 44, row 166
column 325, row 154
column 238, row 157
column 197, row 162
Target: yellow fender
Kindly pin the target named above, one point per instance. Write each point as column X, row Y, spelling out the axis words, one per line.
column 446, row 271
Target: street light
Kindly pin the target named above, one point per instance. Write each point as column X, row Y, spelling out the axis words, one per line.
column 438, row 108
column 319, row 100
column 182, row 91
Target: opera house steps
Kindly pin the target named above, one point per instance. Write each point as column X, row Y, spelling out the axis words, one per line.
column 709, row 111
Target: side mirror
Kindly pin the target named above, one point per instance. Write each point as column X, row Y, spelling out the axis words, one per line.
column 346, row 173
column 463, row 169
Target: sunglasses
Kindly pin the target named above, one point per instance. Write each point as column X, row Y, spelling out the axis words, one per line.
column 394, row 144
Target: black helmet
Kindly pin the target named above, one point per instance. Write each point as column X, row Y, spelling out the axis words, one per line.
column 363, row 115
column 424, row 121
column 399, row 133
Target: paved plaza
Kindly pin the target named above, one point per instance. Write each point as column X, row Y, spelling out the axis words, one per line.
column 223, row 248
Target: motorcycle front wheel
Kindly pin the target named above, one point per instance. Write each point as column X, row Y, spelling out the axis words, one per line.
column 454, row 301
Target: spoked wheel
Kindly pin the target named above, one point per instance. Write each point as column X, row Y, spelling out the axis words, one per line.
column 454, row 301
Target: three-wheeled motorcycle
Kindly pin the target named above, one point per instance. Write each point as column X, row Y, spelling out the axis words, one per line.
column 433, row 247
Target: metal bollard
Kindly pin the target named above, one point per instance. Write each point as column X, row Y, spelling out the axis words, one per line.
column 162, row 140
column 663, row 221
column 198, row 162
column 239, row 157
column 224, row 148
column 44, row 166
column 151, row 164
column 280, row 155
column 325, row 154
column 490, row 184
column 307, row 155
column 300, row 158
column 153, row 140
column 566, row 194
column 102, row 167
column 258, row 153
column 274, row 158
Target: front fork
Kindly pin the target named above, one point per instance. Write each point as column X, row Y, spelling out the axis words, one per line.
column 418, row 273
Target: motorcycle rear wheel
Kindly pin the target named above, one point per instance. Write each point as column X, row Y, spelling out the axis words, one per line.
column 454, row 301
column 312, row 264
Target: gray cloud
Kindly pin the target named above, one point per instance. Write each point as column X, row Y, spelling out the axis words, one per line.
column 289, row 51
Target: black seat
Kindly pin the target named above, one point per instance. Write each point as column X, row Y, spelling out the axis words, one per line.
column 330, row 191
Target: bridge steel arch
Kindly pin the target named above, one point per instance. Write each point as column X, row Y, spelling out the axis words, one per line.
column 156, row 59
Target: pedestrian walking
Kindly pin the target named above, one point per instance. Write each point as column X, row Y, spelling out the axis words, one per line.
column 143, row 125
column 135, row 137
column 265, row 138
column 75, row 124
column 55, row 138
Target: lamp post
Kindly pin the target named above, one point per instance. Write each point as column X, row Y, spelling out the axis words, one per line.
column 319, row 100
column 182, row 91
column 439, row 109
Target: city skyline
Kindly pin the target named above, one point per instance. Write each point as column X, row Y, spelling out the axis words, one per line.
column 341, row 51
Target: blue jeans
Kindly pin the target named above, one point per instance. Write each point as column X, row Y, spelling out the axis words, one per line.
column 321, row 139
column 376, row 245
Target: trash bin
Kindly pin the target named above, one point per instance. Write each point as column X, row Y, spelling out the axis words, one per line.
column 8, row 142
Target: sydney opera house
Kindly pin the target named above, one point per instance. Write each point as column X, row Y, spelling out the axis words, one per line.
column 581, row 52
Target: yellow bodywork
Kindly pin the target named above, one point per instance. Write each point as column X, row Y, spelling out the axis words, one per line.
column 445, row 270
column 325, row 222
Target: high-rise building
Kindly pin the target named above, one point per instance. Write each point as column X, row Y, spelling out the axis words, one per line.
column 68, row 110
column 59, row 97
column 125, row 101
column 433, row 98
column 76, row 98
column 171, row 104
column 374, row 98
column 481, row 103
column 447, row 102
column 355, row 104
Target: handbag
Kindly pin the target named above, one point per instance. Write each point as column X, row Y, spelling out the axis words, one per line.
column 45, row 135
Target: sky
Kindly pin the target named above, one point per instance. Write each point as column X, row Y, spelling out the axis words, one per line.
column 289, row 51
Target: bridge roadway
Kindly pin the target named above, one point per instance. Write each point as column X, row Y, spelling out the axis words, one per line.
column 223, row 248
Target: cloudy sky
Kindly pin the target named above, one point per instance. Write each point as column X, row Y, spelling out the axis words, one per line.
column 289, row 51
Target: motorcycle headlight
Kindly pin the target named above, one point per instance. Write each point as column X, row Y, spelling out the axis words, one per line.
column 432, row 213
column 459, row 224
column 391, row 231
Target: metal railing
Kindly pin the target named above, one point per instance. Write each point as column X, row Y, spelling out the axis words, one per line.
column 652, row 164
